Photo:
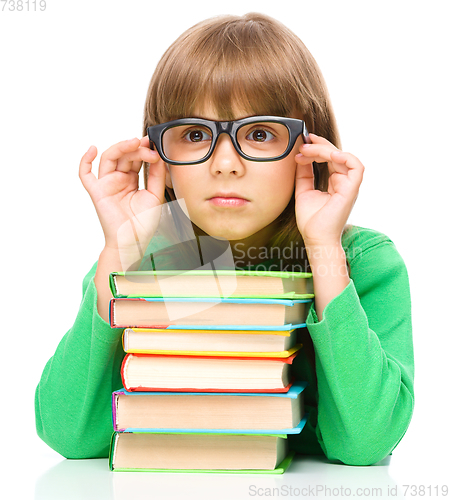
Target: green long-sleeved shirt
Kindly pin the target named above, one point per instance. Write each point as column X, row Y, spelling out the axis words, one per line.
column 358, row 362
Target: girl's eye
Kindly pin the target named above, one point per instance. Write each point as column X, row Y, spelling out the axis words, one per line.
column 260, row 135
column 197, row 136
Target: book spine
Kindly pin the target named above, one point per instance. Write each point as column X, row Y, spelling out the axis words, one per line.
column 213, row 390
column 112, row 451
column 112, row 284
column 114, row 404
column 289, row 359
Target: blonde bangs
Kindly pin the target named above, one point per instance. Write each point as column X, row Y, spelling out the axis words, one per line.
column 232, row 64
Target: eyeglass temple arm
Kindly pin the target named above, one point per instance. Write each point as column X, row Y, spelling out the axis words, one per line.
column 305, row 135
column 307, row 140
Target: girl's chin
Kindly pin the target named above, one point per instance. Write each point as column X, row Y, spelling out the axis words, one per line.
column 230, row 234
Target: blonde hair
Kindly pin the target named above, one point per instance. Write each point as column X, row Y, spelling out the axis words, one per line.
column 250, row 62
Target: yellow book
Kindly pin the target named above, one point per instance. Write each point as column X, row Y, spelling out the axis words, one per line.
column 281, row 343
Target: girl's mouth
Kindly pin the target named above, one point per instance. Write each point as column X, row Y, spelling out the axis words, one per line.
column 221, row 201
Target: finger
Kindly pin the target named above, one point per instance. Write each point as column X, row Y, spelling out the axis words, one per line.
column 355, row 169
column 330, row 187
column 324, row 154
column 145, row 143
column 304, row 178
column 108, row 160
column 333, row 167
column 127, row 149
column 346, row 183
column 85, row 170
column 133, row 161
column 317, row 139
column 319, row 153
column 156, row 180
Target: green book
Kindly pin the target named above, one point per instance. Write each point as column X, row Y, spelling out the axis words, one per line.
column 208, row 283
column 199, row 452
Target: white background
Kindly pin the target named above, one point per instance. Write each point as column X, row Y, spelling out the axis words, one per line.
column 77, row 74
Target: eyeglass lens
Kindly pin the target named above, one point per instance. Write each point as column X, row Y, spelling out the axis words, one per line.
column 186, row 143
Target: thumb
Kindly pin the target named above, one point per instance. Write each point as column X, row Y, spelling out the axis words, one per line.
column 156, row 180
column 304, row 178
column 85, row 170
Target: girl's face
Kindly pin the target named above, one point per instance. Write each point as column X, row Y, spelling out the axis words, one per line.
column 230, row 197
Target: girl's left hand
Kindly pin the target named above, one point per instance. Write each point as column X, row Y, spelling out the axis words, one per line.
column 321, row 216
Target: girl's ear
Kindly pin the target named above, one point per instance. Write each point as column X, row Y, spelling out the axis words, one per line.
column 168, row 178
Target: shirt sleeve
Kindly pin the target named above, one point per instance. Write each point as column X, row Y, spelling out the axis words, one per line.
column 73, row 397
column 364, row 359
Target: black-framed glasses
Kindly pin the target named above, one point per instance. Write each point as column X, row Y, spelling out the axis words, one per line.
column 189, row 141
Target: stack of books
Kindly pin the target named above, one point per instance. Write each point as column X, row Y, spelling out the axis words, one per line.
column 207, row 375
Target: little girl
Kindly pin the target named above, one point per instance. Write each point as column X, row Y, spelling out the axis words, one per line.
column 262, row 189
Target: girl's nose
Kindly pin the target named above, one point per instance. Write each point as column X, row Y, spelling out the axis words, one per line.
column 225, row 158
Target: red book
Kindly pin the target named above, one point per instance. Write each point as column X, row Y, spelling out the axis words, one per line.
column 157, row 372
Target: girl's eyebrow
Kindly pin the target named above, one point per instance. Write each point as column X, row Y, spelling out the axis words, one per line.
column 203, row 117
column 198, row 116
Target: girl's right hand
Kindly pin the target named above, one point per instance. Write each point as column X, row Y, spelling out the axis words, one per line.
column 128, row 216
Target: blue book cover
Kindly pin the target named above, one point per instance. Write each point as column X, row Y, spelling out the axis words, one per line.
column 295, row 393
column 204, row 312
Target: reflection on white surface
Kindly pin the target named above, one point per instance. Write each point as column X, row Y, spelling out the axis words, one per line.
column 307, row 477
